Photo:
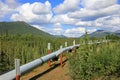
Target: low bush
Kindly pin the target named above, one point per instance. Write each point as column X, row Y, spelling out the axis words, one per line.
column 96, row 62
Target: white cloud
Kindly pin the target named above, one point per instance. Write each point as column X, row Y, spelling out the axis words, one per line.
column 98, row 4
column 63, row 19
column 77, row 32
column 24, row 13
column 91, row 30
column 67, row 6
column 82, row 13
column 114, row 20
column 27, row 14
column 84, row 23
column 12, row 3
column 40, row 8
column 102, row 14
column 39, row 27
column 5, row 9
column 74, row 32
column 111, row 23
column 57, row 29
column 88, row 14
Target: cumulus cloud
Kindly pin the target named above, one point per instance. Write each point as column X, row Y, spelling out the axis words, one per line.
column 24, row 13
column 97, row 4
column 84, row 23
column 40, row 8
column 32, row 13
column 91, row 30
column 12, row 3
column 5, row 9
column 67, row 6
column 63, row 19
column 80, row 14
column 40, row 27
column 88, row 15
column 75, row 32
column 111, row 23
column 57, row 29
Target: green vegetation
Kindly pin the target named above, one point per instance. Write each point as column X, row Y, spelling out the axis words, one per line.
column 92, row 62
column 20, row 40
column 97, row 61
column 26, row 47
column 20, row 28
column 112, row 36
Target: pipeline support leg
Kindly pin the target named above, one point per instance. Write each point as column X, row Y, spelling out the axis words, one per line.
column 61, row 59
column 17, row 77
column 74, row 52
column 49, row 60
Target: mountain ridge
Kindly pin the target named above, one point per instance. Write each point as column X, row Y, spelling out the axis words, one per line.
column 20, row 27
column 103, row 33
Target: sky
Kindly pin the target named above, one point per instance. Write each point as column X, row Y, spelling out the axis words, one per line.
column 64, row 17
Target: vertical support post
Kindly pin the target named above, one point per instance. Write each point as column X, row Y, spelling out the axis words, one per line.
column 61, row 57
column 49, row 53
column 17, row 68
column 66, row 51
column 74, row 48
column 65, row 44
column 73, row 42
column 0, row 47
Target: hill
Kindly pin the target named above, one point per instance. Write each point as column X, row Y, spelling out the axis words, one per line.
column 103, row 33
column 59, row 36
column 100, row 33
column 117, row 33
column 20, row 27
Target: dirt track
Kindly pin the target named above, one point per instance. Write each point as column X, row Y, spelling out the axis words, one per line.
column 55, row 72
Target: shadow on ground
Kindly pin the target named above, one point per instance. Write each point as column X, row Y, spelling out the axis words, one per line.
column 48, row 70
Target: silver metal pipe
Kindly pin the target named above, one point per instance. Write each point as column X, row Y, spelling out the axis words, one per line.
column 33, row 64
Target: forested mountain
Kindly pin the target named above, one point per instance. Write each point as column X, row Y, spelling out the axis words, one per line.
column 100, row 33
column 20, row 27
column 117, row 32
column 103, row 33
column 60, row 36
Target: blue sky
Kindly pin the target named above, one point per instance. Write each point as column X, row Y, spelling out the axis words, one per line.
column 64, row 17
column 53, row 2
column 118, row 1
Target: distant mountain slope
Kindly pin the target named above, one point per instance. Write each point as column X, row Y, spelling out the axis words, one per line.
column 117, row 33
column 21, row 28
column 59, row 36
column 100, row 33
column 103, row 33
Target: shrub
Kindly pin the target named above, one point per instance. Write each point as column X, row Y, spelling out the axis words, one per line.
column 96, row 62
